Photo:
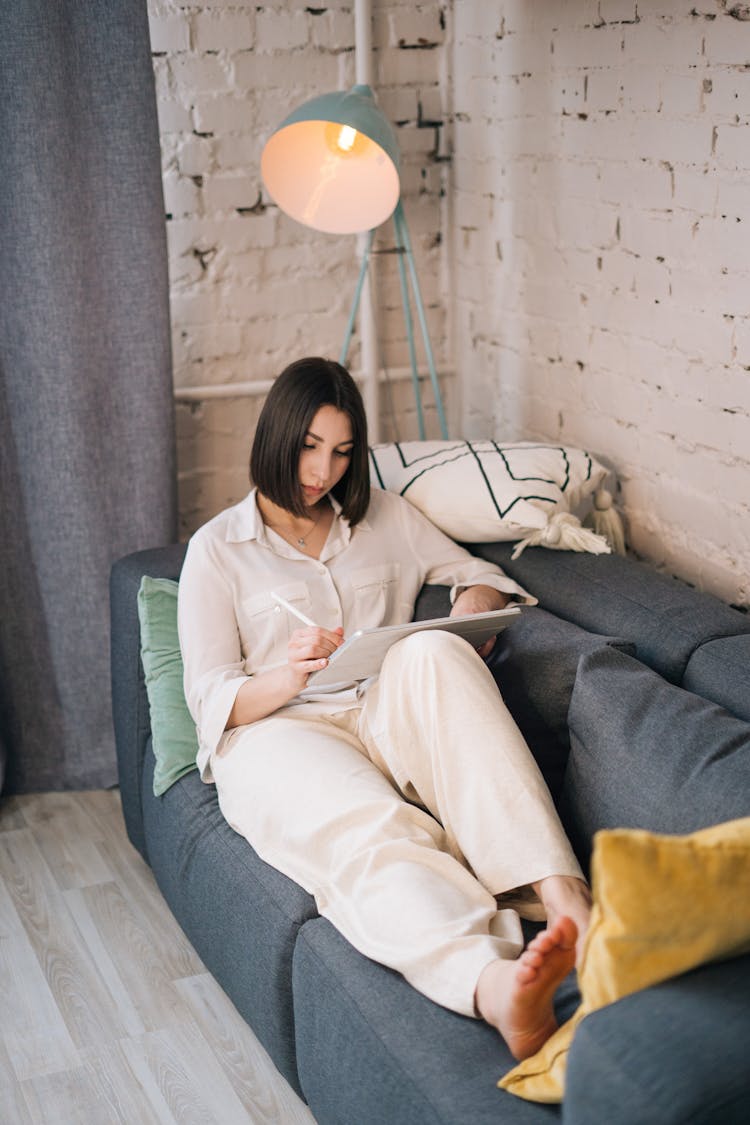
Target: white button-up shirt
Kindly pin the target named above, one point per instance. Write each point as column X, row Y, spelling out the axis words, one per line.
column 367, row 575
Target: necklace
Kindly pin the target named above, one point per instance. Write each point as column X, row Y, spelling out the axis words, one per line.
column 301, row 540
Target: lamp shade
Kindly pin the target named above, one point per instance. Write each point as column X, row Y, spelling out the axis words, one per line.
column 333, row 163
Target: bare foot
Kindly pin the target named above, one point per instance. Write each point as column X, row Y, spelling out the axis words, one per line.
column 516, row 996
column 566, row 897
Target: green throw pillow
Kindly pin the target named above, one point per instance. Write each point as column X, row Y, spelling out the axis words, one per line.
column 173, row 733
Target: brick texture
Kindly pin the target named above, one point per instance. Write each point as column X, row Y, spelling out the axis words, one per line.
column 601, row 256
column 575, row 178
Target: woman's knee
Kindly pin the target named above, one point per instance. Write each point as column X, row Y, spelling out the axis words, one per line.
column 436, row 650
column 435, row 644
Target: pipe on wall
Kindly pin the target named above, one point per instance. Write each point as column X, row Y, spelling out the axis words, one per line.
column 368, row 320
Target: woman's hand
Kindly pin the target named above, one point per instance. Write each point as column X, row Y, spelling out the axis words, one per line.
column 309, row 651
column 479, row 599
column 261, row 695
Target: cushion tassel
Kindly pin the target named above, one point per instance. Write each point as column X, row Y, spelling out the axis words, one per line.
column 564, row 532
column 606, row 521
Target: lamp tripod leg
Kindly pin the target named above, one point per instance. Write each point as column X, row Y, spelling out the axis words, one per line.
column 401, row 251
column 357, row 298
column 403, row 238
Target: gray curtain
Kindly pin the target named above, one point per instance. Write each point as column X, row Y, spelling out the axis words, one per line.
column 87, row 466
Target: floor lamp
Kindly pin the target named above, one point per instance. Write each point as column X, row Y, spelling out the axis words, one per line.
column 333, row 165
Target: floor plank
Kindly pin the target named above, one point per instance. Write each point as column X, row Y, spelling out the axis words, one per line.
column 108, row 1014
column 69, row 1096
column 240, row 1054
column 139, row 888
column 34, row 1035
column 109, row 963
column 80, row 993
column 108, row 1070
column 68, row 839
column 181, row 1071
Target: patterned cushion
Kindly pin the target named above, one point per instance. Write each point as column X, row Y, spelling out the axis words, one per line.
column 484, row 491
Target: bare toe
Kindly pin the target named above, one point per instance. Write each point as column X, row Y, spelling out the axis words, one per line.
column 516, row 996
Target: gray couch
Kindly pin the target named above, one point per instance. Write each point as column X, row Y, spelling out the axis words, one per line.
column 633, row 691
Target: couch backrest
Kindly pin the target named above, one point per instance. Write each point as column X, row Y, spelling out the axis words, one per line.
column 666, row 620
column 720, row 670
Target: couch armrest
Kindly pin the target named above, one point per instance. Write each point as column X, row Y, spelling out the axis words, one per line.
column 669, row 1054
column 130, row 713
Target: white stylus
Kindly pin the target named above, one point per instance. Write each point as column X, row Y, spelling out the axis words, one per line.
column 295, row 612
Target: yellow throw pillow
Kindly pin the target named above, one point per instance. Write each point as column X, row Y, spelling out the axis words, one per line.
column 662, row 905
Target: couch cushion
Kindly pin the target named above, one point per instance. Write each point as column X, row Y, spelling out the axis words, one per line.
column 371, row 1050
column 484, row 491
column 720, row 670
column 534, row 663
column 432, row 601
column 173, row 734
column 674, row 1053
column 665, row 619
column 647, row 754
column 241, row 915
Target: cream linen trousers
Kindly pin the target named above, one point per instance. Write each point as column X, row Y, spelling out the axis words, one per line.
column 404, row 817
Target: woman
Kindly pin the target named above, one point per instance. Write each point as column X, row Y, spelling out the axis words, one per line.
column 409, row 804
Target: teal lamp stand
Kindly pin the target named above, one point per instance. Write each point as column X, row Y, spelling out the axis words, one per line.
column 404, row 252
column 333, row 165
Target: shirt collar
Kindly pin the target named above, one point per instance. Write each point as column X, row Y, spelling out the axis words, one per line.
column 245, row 520
column 246, row 523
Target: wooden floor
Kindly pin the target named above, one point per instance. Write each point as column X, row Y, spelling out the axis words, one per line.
column 106, row 1012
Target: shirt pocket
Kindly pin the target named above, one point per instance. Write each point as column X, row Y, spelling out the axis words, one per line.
column 265, row 626
column 377, row 598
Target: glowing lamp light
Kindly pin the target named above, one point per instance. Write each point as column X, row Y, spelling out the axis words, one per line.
column 347, row 138
column 333, row 163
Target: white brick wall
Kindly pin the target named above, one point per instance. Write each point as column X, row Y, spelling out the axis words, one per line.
column 601, row 255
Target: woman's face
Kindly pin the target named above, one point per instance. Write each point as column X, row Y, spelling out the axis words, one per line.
column 326, row 453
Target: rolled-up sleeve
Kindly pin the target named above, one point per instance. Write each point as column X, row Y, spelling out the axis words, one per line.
column 214, row 669
column 449, row 564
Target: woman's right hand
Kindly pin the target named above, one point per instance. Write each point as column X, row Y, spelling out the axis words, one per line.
column 261, row 695
column 309, row 651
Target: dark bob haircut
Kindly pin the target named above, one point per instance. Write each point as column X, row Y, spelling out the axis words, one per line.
column 296, row 396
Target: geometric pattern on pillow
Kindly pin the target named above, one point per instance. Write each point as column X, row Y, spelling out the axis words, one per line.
column 173, row 733
column 483, row 491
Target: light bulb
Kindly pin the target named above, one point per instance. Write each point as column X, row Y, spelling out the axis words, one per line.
column 346, row 138
column 346, row 142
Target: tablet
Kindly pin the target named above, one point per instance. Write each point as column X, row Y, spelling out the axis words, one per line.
column 362, row 654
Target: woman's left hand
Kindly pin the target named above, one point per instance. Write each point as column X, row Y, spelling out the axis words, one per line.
column 479, row 599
